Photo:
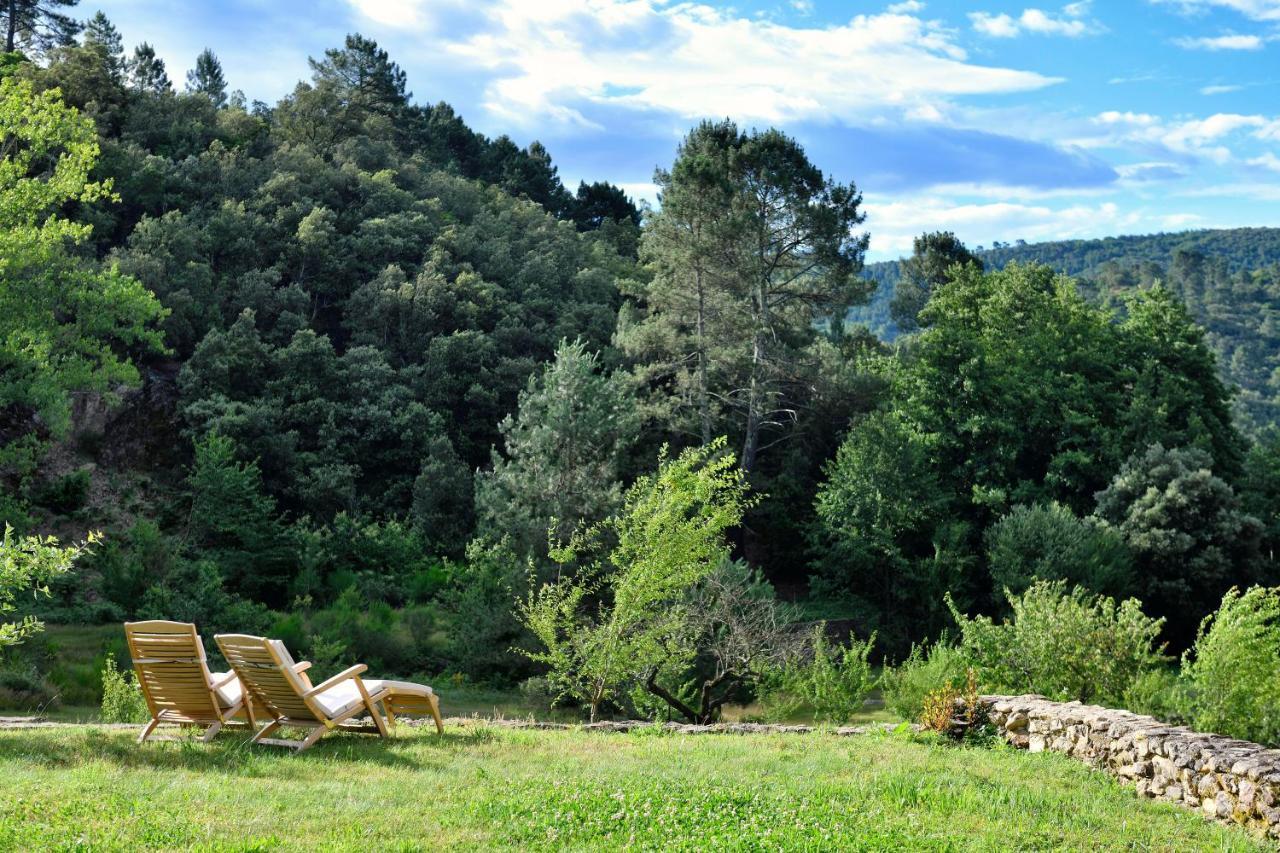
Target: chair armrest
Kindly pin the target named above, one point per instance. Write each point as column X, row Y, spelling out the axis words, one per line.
column 349, row 672
column 231, row 676
column 302, row 667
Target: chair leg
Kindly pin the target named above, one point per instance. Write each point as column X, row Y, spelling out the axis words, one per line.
column 211, row 732
column 435, row 712
column 377, row 718
column 390, row 714
column 265, row 730
column 309, row 740
column 148, row 729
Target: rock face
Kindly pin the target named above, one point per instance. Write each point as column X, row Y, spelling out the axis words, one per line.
column 1230, row 780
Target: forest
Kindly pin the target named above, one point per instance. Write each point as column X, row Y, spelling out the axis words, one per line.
column 344, row 370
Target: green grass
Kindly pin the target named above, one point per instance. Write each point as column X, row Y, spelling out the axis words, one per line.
column 484, row 787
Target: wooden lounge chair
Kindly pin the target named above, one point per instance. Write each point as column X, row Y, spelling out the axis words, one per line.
column 173, row 673
column 277, row 687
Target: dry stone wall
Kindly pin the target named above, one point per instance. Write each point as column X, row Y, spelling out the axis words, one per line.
column 1230, row 780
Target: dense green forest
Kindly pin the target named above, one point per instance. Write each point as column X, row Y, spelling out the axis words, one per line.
column 343, row 369
column 1228, row 279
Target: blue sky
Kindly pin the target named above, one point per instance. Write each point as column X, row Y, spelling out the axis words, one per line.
column 996, row 120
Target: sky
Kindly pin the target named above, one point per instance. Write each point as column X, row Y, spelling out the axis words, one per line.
column 995, row 120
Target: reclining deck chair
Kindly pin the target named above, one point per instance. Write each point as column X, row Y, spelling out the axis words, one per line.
column 173, row 673
column 276, row 686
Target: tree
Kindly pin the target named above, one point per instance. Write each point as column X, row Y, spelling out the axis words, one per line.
column 38, row 25
column 1178, row 396
column 66, row 324
column 623, row 618
column 1189, row 538
column 1234, row 668
column 206, row 78
column 1260, row 492
column 929, row 267
column 364, row 78
column 147, row 72
column 1049, row 542
column 691, row 326
column 757, row 250
column 884, row 529
column 1068, row 645
column 560, row 465
column 27, row 564
column 600, row 201
column 797, row 258
column 234, row 522
column 102, row 35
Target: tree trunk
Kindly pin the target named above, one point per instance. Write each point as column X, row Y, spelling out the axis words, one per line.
column 13, row 26
column 651, row 684
column 704, row 406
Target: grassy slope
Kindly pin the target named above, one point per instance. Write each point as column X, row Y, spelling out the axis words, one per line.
column 485, row 787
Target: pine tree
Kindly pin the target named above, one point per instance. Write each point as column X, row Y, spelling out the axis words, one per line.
column 562, row 454
column 206, row 78
column 147, row 72
column 102, row 35
column 38, row 25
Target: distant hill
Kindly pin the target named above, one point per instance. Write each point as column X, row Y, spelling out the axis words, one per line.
column 1229, row 278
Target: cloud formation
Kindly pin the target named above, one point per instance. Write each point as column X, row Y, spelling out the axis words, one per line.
column 1072, row 22
column 1258, row 10
column 559, row 58
column 1230, row 41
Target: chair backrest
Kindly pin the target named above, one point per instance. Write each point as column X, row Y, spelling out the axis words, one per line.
column 266, row 671
column 169, row 662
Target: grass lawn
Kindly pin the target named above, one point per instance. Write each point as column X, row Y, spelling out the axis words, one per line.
column 485, row 787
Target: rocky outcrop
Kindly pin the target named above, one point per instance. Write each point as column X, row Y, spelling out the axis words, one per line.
column 1227, row 779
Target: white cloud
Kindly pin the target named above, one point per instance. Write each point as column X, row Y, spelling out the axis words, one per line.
column 1201, row 137
column 409, row 14
column 1219, row 89
column 555, row 58
column 1267, row 161
column 1070, row 23
column 907, row 7
column 1258, row 10
column 893, row 224
column 1231, row 41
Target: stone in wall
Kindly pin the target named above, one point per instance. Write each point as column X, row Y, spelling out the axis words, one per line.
column 1229, row 780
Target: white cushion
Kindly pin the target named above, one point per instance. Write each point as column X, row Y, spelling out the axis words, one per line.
column 345, row 695
column 229, row 693
column 398, row 688
column 341, row 697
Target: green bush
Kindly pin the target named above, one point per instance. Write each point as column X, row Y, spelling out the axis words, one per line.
column 927, row 669
column 66, row 494
column 1161, row 693
column 1234, row 668
column 1048, row 542
column 1064, row 645
column 830, row 679
column 26, row 691
column 122, row 700
column 355, row 630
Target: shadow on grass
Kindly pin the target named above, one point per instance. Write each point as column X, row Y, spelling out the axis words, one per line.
column 230, row 752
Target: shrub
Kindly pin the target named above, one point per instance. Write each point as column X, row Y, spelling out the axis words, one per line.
column 953, row 711
column 1234, row 668
column 1048, row 542
column 1161, row 693
column 122, row 700
column 1065, row 645
column 26, row 691
column 66, row 494
column 833, row 679
column 479, row 602
column 926, row 669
